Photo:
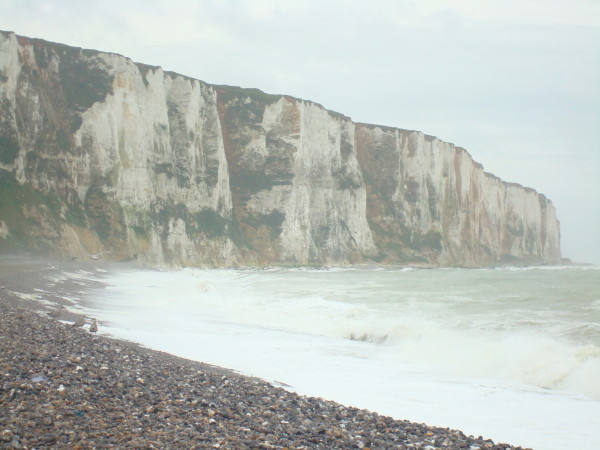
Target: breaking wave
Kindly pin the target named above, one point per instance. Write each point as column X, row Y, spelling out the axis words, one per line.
column 529, row 328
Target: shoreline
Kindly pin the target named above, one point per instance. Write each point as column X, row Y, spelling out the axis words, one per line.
column 64, row 386
column 93, row 261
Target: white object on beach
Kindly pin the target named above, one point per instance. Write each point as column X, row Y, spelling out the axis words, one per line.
column 99, row 255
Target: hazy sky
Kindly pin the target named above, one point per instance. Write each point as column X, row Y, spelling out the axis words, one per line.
column 515, row 82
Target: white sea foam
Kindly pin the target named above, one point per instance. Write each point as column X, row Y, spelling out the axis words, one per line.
column 25, row 296
column 510, row 354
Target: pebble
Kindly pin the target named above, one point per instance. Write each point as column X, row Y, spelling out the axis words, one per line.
column 61, row 387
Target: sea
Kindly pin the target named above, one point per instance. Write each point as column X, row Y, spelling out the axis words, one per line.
column 511, row 354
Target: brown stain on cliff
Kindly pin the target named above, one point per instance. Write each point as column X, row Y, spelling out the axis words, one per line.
column 457, row 172
column 229, row 153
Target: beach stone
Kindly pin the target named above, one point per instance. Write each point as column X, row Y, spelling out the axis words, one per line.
column 65, row 388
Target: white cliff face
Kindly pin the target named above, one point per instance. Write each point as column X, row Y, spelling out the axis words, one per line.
column 315, row 184
column 145, row 165
column 157, row 138
column 10, row 68
column 442, row 207
column 113, row 156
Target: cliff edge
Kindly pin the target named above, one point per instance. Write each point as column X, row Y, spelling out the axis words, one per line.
column 101, row 155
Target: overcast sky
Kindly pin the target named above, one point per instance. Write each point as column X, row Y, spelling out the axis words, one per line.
column 515, row 82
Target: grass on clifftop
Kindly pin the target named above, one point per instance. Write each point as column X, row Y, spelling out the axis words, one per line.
column 253, row 93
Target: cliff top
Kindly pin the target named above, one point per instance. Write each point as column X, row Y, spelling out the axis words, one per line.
column 254, row 94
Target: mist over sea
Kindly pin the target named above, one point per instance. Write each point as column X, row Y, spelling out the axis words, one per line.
column 512, row 354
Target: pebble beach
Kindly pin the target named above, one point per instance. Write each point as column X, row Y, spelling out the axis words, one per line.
column 62, row 386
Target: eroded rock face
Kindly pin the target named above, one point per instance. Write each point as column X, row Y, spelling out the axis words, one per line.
column 100, row 154
column 429, row 199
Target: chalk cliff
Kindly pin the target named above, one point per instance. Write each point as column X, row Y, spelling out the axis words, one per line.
column 101, row 155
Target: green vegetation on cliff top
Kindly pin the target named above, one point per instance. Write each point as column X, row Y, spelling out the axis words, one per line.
column 253, row 93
